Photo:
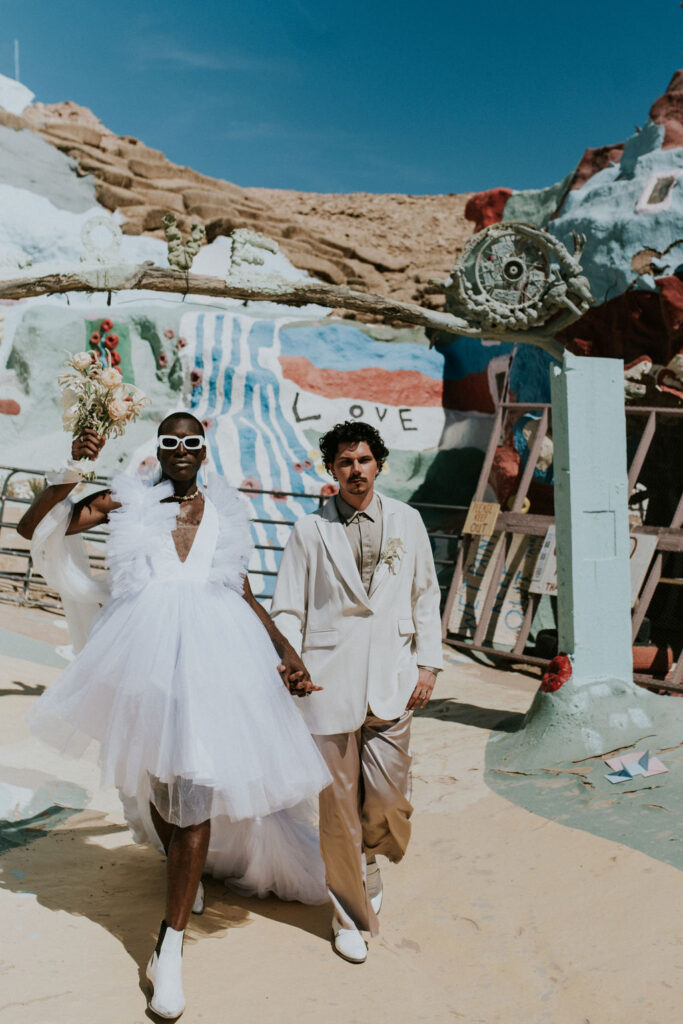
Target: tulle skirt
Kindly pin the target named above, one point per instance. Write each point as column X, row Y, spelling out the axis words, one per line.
column 179, row 686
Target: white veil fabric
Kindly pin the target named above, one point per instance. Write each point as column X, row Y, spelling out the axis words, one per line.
column 63, row 561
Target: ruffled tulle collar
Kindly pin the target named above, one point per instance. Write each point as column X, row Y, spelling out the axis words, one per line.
column 144, row 520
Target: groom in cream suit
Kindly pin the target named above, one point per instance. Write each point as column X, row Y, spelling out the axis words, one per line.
column 357, row 595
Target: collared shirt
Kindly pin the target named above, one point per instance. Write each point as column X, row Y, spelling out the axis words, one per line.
column 364, row 531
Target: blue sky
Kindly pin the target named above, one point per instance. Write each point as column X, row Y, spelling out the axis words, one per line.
column 365, row 95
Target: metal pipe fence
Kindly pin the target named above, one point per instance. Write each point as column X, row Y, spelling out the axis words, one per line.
column 22, row 584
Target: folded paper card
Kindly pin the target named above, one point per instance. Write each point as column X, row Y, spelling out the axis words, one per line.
column 627, row 766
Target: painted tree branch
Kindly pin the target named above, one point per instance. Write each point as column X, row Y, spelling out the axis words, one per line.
column 149, row 277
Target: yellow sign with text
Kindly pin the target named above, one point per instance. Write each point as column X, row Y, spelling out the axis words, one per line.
column 481, row 518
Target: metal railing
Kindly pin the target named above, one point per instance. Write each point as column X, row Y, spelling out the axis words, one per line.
column 22, row 584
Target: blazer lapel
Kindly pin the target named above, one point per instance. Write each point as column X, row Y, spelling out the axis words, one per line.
column 333, row 533
column 390, row 528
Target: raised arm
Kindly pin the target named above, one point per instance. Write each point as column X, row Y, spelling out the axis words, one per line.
column 87, row 513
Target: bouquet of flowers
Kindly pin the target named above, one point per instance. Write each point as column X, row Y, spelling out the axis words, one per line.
column 96, row 397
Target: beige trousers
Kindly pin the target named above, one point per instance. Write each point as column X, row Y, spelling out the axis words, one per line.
column 366, row 810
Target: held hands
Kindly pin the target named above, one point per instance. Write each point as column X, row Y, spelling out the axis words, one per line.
column 87, row 445
column 423, row 690
column 295, row 675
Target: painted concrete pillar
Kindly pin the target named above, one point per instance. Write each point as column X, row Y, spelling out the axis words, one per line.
column 599, row 709
column 591, row 517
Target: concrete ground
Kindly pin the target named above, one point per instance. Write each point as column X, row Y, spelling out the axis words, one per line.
column 496, row 915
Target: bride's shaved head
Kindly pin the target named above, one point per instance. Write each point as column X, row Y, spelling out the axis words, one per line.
column 173, row 417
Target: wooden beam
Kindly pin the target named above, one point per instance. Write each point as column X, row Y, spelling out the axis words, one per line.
column 148, row 277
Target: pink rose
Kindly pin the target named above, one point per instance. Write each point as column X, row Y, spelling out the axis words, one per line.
column 111, row 378
column 81, row 360
column 119, row 409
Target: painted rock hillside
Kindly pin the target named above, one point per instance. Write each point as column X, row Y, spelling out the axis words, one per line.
column 391, row 244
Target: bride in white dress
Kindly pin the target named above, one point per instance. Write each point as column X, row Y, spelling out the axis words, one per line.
column 180, row 681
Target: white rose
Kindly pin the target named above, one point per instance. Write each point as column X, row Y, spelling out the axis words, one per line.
column 81, row 360
column 69, row 398
column 111, row 378
column 119, row 409
column 69, row 417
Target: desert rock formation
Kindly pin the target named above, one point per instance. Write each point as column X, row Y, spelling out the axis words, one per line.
column 391, row 244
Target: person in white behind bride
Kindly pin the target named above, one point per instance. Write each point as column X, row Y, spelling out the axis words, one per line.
column 180, row 680
column 357, row 594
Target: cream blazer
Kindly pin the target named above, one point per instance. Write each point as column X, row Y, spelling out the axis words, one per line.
column 363, row 648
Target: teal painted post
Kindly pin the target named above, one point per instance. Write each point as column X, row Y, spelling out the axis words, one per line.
column 591, row 515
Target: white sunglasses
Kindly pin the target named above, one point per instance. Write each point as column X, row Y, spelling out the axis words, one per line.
column 191, row 443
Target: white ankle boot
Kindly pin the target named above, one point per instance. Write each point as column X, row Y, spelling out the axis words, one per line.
column 198, row 905
column 164, row 971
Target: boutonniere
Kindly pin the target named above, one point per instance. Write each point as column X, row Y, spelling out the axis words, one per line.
column 392, row 553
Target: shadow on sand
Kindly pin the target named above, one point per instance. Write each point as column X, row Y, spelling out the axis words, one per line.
column 450, row 710
column 122, row 889
column 19, row 689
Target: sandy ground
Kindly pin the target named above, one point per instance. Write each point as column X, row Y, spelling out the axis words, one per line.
column 496, row 915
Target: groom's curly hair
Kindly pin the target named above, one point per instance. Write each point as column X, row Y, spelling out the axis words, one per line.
column 352, row 432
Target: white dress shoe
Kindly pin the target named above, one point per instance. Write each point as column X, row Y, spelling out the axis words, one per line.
column 373, row 882
column 198, row 905
column 164, row 971
column 350, row 945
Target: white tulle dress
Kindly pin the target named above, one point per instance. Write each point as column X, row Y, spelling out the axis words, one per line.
column 178, row 684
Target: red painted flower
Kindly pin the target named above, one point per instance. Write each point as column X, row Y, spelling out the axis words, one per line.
column 559, row 671
column 308, row 464
column 207, row 423
column 162, row 360
column 196, row 378
column 115, row 358
column 250, row 483
column 181, row 342
column 106, row 326
column 279, row 496
column 95, row 338
column 327, row 490
column 111, row 341
column 297, row 467
column 169, row 334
